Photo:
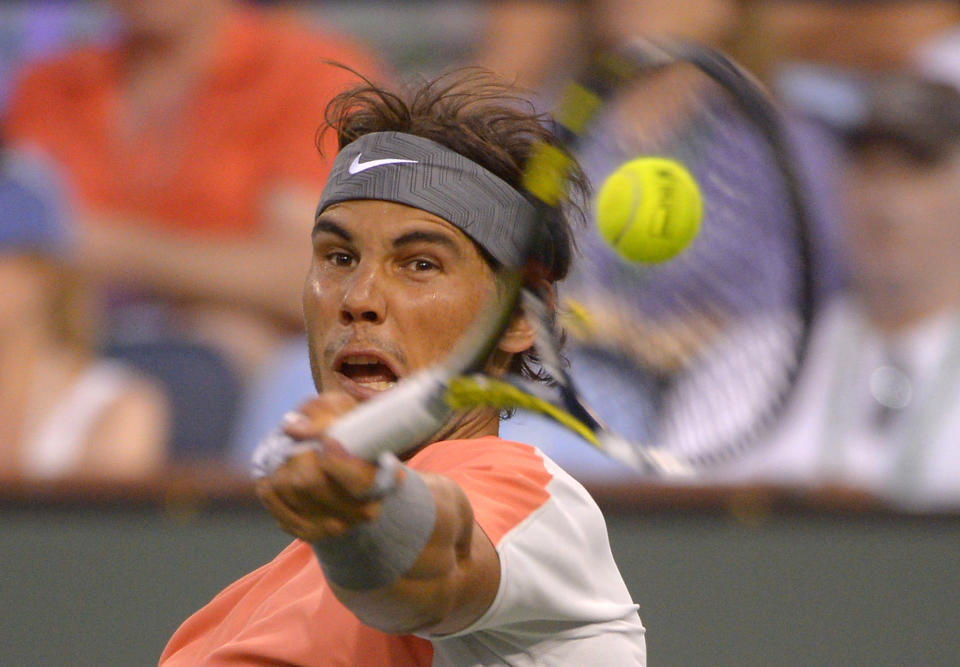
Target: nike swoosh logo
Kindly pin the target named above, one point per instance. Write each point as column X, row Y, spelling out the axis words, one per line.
column 357, row 166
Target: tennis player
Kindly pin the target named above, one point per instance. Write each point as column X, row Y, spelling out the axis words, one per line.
column 475, row 550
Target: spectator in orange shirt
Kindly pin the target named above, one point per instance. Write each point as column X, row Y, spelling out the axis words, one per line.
column 190, row 145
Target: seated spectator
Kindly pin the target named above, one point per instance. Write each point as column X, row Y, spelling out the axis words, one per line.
column 623, row 384
column 877, row 406
column 538, row 43
column 285, row 383
column 65, row 411
column 839, row 32
column 190, row 142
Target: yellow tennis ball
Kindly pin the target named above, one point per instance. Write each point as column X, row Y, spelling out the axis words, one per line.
column 649, row 209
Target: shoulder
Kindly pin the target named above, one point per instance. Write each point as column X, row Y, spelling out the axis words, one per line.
column 128, row 439
column 141, row 400
column 547, row 532
column 122, row 382
column 509, row 484
column 476, row 451
column 488, row 461
column 67, row 72
column 45, row 92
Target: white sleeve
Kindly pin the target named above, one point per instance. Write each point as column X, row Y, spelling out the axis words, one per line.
column 561, row 599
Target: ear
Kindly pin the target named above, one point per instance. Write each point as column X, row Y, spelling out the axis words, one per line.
column 521, row 334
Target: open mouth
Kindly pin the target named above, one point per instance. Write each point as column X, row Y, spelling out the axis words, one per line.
column 367, row 371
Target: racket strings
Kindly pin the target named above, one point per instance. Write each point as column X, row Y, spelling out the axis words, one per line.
column 719, row 326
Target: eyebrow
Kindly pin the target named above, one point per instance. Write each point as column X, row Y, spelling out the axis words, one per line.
column 330, row 227
column 325, row 225
column 422, row 236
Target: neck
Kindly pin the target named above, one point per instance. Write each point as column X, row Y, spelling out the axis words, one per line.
column 181, row 44
column 476, row 423
column 894, row 315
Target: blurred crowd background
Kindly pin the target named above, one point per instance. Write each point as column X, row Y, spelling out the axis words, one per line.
column 158, row 176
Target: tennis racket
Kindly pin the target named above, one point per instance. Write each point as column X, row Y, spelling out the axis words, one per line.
column 698, row 356
column 671, row 324
column 691, row 361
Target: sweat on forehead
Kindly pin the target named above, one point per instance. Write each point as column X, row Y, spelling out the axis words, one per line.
column 418, row 172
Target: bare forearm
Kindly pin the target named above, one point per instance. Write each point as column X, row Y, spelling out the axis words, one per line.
column 265, row 272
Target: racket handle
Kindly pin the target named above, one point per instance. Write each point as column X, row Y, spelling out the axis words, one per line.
column 395, row 420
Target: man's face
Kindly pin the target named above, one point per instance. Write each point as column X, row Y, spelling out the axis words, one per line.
column 159, row 17
column 390, row 290
column 904, row 231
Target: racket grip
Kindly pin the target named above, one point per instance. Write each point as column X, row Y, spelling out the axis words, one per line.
column 396, row 420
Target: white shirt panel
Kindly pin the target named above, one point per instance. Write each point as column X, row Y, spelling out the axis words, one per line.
column 555, row 565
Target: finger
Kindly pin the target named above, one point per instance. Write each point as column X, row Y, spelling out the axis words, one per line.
column 308, row 483
column 309, row 529
column 302, row 484
column 316, row 415
column 352, row 476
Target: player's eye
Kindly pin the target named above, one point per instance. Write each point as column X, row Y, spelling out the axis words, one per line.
column 340, row 258
column 420, row 265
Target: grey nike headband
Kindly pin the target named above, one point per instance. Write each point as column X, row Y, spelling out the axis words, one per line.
column 418, row 172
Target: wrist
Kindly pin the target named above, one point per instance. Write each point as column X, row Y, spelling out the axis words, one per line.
column 377, row 553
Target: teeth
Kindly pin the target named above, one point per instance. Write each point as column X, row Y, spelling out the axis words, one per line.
column 379, row 385
column 361, row 360
column 368, row 371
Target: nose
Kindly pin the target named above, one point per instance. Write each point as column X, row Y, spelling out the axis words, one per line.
column 363, row 300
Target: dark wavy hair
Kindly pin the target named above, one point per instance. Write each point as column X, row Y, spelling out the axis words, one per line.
column 477, row 114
